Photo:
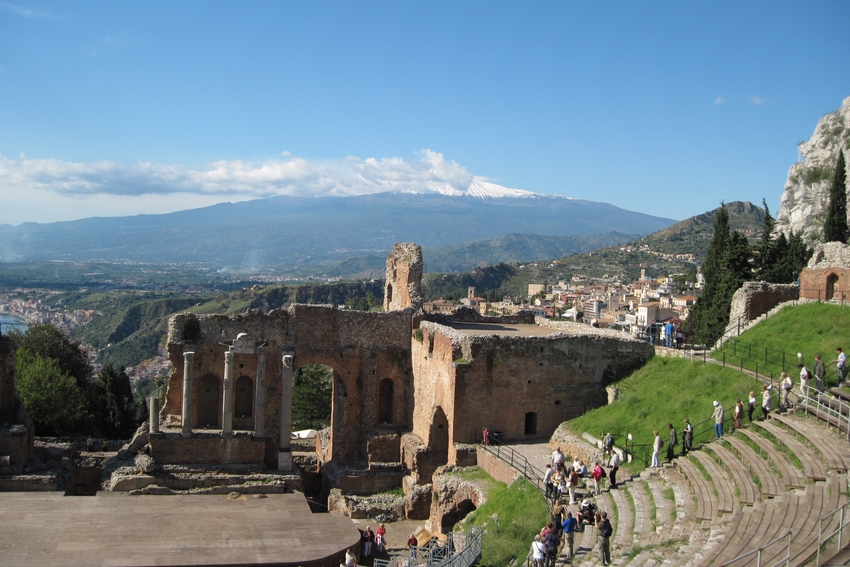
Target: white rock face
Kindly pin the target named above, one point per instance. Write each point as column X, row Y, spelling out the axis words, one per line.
column 806, row 196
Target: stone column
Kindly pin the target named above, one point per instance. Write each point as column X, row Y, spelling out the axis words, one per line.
column 227, row 411
column 284, row 458
column 188, row 370
column 260, row 394
column 154, row 414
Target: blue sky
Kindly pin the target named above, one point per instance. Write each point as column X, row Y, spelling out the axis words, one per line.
column 114, row 108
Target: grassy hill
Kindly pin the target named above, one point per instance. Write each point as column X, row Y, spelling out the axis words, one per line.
column 809, row 329
column 666, row 390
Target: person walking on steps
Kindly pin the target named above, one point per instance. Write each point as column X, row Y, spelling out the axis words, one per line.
column 612, row 474
column 674, row 440
column 820, row 372
column 657, row 443
column 751, row 406
column 605, row 531
column 687, row 437
column 766, row 401
column 841, row 364
column 718, row 420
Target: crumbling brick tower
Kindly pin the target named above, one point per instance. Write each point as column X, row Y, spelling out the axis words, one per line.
column 403, row 287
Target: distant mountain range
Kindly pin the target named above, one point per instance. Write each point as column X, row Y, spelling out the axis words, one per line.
column 308, row 234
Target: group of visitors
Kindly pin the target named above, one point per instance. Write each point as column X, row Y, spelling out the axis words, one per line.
column 561, row 530
column 560, row 479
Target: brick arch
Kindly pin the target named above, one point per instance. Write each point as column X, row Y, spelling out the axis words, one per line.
column 343, row 397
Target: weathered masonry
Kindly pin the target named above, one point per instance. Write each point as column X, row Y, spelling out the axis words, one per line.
column 411, row 392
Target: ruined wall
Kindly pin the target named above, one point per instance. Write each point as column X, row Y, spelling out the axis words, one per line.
column 754, row 299
column 523, row 386
column 362, row 348
column 207, row 448
column 827, row 276
column 403, row 286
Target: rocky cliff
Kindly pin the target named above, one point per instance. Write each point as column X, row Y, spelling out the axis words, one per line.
column 805, row 199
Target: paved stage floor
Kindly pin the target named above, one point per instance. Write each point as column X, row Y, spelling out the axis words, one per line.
column 112, row 529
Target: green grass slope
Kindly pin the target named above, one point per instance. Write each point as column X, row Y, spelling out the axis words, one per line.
column 511, row 516
column 666, row 390
column 810, row 329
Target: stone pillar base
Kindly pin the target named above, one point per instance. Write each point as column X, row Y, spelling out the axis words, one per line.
column 284, row 461
column 226, row 435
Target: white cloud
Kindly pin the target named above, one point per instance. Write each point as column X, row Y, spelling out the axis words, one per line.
column 719, row 100
column 46, row 190
column 22, row 11
column 757, row 100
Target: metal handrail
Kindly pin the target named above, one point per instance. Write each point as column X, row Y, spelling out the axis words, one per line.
column 459, row 550
column 843, row 522
column 786, row 560
column 515, row 460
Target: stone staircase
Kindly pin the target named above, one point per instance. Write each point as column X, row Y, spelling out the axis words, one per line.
column 727, row 498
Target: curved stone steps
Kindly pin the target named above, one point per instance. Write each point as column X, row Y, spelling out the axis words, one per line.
column 834, row 451
column 643, row 523
column 624, row 532
column 748, row 492
column 813, row 466
column 790, row 475
column 770, row 485
column 665, row 521
column 804, row 543
column 719, row 481
column 706, row 506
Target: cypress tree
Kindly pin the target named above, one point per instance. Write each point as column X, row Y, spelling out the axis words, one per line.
column 705, row 317
column 835, row 226
column 767, row 248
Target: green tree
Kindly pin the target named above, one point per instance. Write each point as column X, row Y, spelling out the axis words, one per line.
column 706, row 322
column 768, row 252
column 835, row 226
column 46, row 341
column 53, row 399
column 117, row 417
column 312, row 387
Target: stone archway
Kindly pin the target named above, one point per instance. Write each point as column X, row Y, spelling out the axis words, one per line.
column 831, row 280
column 438, row 439
column 209, row 402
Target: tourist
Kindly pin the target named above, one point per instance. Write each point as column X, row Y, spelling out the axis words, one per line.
column 538, row 552
column 766, row 401
column 674, row 440
column 612, row 474
column 739, row 413
column 657, row 443
column 485, row 436
column 569, row 527
column 820, row 372
column 552, row 542
column 368, row 538
column 718, row 420
column 687, row 437
column 562, row 478
column 572, row 486
column 557, row 457
column 605, row 531
column 840, row 364
column 557, row 517
column 598, row 475
column 380, row 535
column 804, row 380
column 547, row 481
column 412, row 541
column 751, row 406
column 787, row 385
column 350, row 559
column 608, row 443
column 680, row 338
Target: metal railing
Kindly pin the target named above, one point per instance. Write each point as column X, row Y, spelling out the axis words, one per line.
column 823, row 540
column 833, row 411
column 459, row 550
column 516, row 460
column 758, row 552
